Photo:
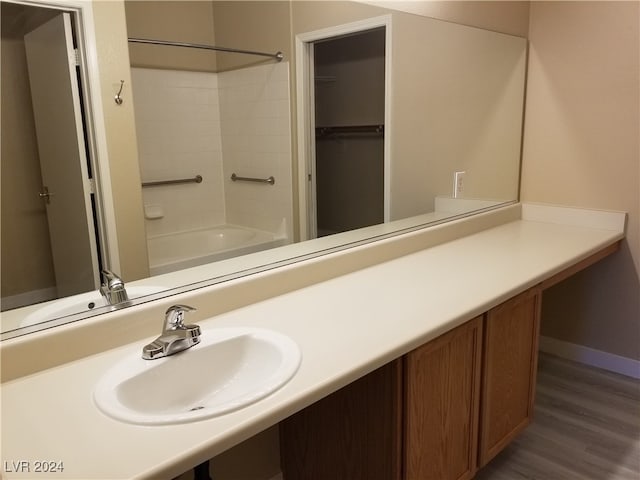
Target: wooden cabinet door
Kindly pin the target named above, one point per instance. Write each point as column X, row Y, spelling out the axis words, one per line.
column 353, row 434
column 442, row 388
column 509, row 371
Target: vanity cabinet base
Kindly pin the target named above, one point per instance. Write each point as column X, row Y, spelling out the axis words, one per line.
column 440, row 412
column 353, row 434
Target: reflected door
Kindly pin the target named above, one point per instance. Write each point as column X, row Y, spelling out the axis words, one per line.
column 55, row 92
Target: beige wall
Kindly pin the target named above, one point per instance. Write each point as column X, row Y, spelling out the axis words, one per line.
column 581, row 148
column 498, row 16
column 456, row 104
column 262, row 26
column 113, row 58
column 26, row 259
column 179, row 21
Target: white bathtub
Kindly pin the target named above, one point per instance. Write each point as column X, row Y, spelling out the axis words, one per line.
column 175, row 251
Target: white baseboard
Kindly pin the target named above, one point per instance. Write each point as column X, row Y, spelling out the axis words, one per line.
column 29, row 298
column 589, row 356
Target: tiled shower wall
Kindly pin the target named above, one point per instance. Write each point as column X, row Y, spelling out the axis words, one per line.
column 191, row 123
column 178, row 129
column 256, row 133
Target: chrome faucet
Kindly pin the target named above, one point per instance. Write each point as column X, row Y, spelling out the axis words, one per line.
column 112, row 288
column 176, row 336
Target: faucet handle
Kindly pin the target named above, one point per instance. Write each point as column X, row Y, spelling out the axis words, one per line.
column 174, row 316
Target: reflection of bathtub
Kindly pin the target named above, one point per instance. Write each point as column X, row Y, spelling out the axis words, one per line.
column 175, row 251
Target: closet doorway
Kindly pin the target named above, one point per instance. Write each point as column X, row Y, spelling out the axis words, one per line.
column 346, row 168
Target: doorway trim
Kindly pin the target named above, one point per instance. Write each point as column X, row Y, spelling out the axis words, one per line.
column 305, row 108
column 94, row 122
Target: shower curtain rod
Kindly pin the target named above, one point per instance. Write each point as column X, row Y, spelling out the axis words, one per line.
column 278, row 55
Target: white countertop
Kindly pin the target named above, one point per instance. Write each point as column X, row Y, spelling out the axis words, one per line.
column 345, row 327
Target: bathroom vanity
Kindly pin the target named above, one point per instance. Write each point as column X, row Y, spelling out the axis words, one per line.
column 419, row 417
column 423, row 344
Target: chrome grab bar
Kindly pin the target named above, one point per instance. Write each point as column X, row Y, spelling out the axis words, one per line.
column 269, row 180
column 196, row 179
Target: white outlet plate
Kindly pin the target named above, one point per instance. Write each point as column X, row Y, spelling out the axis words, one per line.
column 458, row 184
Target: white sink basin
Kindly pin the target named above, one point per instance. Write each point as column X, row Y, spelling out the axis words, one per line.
column 229, row 369
column 80, row 303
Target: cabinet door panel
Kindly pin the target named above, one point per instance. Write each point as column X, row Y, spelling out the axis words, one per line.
column 441, row 405
column 353, row 434
column 509, row 371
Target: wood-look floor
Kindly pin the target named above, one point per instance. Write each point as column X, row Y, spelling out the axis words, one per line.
column 586, row 426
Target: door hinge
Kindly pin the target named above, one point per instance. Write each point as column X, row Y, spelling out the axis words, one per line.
column 91, row 185
column 75, row 58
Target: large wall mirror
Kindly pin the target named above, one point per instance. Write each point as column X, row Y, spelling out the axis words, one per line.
column 373, row 121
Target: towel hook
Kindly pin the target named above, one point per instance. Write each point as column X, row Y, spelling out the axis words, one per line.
column 118, row 98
